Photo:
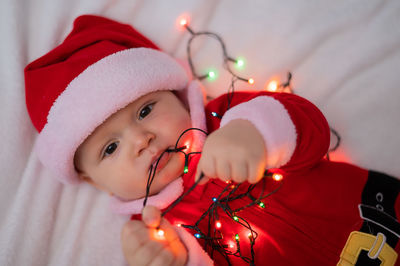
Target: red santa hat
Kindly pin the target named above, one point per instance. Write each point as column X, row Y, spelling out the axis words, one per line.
column 101, row 67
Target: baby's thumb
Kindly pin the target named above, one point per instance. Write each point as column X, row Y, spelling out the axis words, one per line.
column 151, row 216
column 200, row 175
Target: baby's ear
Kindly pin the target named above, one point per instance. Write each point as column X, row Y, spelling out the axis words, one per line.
column 85, row 178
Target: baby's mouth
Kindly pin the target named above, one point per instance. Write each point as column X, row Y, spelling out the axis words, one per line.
column 176, row 149
column 159, row 162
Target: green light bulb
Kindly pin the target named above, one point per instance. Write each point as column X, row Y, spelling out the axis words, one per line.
column 239, row 63
column 185, row 170
column 212, row 75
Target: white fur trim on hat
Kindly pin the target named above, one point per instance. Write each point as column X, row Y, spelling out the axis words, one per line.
column 99, row 91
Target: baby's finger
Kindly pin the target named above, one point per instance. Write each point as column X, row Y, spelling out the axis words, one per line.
column 163, row 258
column 256, row 172
column 134, row 232
column 203, row 180
column 174, row 242
column 178, row 248
column 133, row 235
column 223, row 170
column 206, row 166
column 168, row 231
column 146, row 253
column 239, row 172
column 151, row 216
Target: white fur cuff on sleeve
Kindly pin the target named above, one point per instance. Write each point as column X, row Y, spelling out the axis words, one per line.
column 272, row 120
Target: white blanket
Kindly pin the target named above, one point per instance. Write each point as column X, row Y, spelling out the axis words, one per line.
column 344, row 56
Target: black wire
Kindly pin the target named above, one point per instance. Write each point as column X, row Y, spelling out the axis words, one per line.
column 150, row 179
column 227, row 59
column 337, row 144
column 287, row 83
column 182, row 196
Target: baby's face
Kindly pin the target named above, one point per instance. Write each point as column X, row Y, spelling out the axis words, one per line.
column 117, row 156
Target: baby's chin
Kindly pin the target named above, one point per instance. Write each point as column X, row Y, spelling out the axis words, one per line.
column 172, row 171
column 161, row 187
column 155, row 188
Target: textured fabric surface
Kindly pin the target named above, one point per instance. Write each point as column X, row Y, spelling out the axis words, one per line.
column 344, row 56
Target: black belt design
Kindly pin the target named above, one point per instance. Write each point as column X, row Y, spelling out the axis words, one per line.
column 375, row 242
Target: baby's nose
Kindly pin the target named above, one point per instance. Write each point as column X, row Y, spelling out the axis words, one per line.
column 142, row 141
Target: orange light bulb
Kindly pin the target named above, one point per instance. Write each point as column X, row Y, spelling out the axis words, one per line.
column 277, row 177
column 159, row 234
column 251, row 81
column 183, row 22
column 218, row 225
column 187, row 145
column 272, row 86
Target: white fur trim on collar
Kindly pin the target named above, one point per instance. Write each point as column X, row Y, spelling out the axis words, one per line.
column 161, row 200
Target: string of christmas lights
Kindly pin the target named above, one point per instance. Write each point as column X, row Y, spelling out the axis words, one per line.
column 227, row 59
column 221, row 204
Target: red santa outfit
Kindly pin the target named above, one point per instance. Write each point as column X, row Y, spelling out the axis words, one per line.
column 323, row 212
column 320, row 203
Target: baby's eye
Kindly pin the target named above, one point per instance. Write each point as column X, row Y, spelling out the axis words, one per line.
column 110, row 149
column 145, row 111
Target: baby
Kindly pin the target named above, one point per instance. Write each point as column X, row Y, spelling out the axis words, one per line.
column 111, row 108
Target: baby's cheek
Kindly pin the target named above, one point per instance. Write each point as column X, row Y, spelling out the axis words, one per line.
column 130, row 192
column 129, row 187
column 165, row 124
column 183, row 124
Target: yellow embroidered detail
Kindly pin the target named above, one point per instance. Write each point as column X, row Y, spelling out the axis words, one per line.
column 375, row 245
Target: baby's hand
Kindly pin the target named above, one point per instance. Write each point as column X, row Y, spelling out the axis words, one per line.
column 142, row 245
column 234, row 152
